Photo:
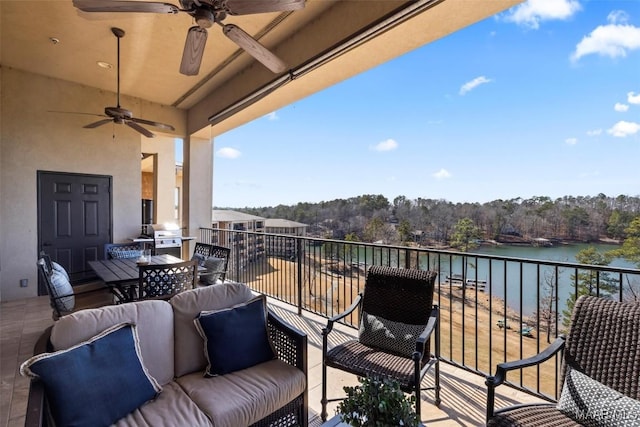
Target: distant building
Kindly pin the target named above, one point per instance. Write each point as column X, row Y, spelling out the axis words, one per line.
column 244, row 246
column 282, row 246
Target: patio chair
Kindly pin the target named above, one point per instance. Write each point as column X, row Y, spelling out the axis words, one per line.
column 397, row 323
column 600, row 370
column 165, row 280
column 213, row 261
column 64, row 299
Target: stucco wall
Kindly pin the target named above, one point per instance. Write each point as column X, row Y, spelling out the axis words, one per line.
column 32, row 139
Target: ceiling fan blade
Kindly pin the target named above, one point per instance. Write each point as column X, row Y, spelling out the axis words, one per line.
column 246, row 7
column 124, row 6
column 254, row 48
column 150, row 123
column 193, row 51
column 98, row 123
column 134, row 125
column 76, row 112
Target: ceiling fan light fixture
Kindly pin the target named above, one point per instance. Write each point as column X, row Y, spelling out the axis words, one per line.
column 204, row 18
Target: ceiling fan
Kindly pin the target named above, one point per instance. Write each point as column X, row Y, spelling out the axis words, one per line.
column 122, row 115
column 206, row 13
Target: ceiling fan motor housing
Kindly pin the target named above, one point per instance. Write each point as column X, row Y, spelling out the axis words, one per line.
column 204, row 17
column 118, row 113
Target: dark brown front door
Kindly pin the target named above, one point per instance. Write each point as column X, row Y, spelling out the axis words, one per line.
column 74, row 219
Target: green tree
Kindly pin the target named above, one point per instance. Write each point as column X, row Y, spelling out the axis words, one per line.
column 404, row 230
column 589, row 282
column 374, row 230
column 576, row 219
column 465, row 235
column 630, row 249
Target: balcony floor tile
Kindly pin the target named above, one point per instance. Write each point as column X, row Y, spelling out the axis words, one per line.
column 462, row 393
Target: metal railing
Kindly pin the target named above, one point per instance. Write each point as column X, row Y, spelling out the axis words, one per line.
column 492, row 309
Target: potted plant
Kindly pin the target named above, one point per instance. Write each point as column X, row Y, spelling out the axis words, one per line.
column 377, row 402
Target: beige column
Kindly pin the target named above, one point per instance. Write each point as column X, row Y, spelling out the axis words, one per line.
column 197, row 186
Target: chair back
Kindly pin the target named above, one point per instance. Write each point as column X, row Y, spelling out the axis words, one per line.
column 402, row 295
column 203, row 249
column 165, row 280
column 61, row 295
column 604, row 343
column 400, row 299
column 123, row 250
column 223, row 253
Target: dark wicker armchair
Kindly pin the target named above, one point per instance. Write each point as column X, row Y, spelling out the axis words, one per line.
column 73, row 298
column 202, row 251
column 166, row 280
column 603, row 343
column 394, row 298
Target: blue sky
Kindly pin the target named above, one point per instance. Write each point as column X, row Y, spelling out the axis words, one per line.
column 542, row 100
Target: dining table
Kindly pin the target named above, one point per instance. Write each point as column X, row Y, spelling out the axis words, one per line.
column 122, row 275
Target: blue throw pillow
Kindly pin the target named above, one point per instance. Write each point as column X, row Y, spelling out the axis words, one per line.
column 125, row 253
column 97, row 382
column 235, row 338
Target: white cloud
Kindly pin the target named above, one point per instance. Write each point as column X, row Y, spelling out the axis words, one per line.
column 442, row 174
column 623, row 129
column 469, row 86
column 571, row 141
column 533, row 12
column 613, row 40
column 228, row 153
column 387, row 145
column 618, row 17
column 272, row 115
column 594, row 132
column 620, row 107
column 632, row 98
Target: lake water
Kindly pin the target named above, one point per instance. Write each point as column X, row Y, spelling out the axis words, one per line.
column 525, row 283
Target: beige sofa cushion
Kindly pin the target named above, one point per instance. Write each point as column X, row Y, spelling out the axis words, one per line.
column 154, row 321
column 171, row 408
column 189, row 345
column 244, row 397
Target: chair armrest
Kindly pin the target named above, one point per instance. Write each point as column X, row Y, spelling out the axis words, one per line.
column 426, row 333
column 349, row 310
column 501, row 371
column 546, row 354
column 290, row 342
column 36, row 414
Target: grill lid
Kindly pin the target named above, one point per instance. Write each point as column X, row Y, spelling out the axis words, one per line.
column 160, row 231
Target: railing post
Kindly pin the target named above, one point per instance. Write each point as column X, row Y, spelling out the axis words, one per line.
column 299, row 270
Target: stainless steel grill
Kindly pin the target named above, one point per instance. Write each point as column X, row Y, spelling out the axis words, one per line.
column 166, row 240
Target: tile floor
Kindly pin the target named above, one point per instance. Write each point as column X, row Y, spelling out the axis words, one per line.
column 463, row 393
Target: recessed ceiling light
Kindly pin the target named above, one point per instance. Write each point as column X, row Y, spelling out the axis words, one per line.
column 103, row 64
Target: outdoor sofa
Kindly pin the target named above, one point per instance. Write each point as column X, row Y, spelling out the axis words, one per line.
column 111, row 362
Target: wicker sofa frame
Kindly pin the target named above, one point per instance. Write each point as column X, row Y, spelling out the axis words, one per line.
column 603, row 343
column 291, row 347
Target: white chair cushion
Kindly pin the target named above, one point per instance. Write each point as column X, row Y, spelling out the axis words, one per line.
column 61, row 288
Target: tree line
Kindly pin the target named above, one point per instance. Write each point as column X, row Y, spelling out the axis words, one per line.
column 433, row 221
